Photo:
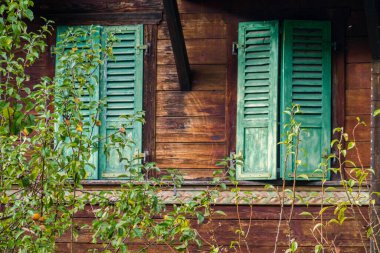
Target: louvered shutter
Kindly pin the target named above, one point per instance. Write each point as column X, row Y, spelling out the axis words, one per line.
column 257, row 99
column 306, row 80
column 121, row 89
column 82, row 44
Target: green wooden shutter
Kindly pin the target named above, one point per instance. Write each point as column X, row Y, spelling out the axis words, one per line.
column 122, row 83
column 83, row 44
column 257, row 99
column 306, row 80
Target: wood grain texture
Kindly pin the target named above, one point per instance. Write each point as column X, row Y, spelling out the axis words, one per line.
column 149, row 89
column 262, row 233
column 358, row 50
column 362, row 133
column 204, row 77
column 358, row 76
column 189, row 155
column 363, row 157
column 83, row 6
column 107, row 18
column 358, row 102
column 193, row 103
column 231, row 85
column 84, row 248
column 190, row 129
column 198, row 26
column 199, row 51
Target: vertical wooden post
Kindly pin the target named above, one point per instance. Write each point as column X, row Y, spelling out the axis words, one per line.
column 150, row 83
column 375, row 144
column 372, row 9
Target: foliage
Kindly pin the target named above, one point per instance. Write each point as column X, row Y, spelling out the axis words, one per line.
column 45, row 156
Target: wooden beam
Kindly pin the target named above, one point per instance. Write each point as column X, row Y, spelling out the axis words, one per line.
column 178, row 44
column 116, row 18
column 150, row 83
column 375, row 147
column 372, row 9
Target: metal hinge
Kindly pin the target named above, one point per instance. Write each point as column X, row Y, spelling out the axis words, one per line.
column 146, row 155
column 52, row 49
column 145, row 47
column 232, row 157
column 235, row 47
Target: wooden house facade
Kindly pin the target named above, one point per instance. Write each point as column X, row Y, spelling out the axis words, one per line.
column 190, row 94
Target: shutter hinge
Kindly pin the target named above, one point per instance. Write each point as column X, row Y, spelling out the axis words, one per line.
column 145, row 47
column 232, row 157
column 235, row 47
column 146, row 155
column 52, row 49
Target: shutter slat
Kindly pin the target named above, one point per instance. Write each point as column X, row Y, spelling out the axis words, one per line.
column 257, row 100
column 306, row 80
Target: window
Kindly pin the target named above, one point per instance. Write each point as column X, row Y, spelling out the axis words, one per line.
column 120, row 82
column 280, row 64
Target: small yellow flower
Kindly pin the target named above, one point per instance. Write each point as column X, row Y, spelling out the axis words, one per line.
column 74, row 49
column 25, row 131
column 77, row 100
column 79, row 128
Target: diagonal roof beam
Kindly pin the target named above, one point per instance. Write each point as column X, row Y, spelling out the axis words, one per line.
column 178, row 44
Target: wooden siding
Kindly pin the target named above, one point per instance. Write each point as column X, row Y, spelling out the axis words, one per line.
column 264, row 222
column 193, row 139
column 195, row 129
column 358, row 85
column 190, row 122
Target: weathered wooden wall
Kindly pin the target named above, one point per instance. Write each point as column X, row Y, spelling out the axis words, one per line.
column 263, row 222
column 194, row 129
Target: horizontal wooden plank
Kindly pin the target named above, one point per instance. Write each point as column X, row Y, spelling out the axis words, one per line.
column 358, row 50
column 192, row 103
column 190, row 129
column 362, row 133
column 262, row 232
column 196, row 175
column 107, row 18
column 204, row 77
column 358, row 76
column 245, row 212
column 361, row 157
column 358, row 102
column 189, row 155
column 200, row 51
column 85, row 248
column 75, row 6
column 210, row 6
column 198, row 26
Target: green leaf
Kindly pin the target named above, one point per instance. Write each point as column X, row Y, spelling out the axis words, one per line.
column 369, row 232
column 318, row 248
column 376, row 112
column 200, row 217
column 350, row 145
